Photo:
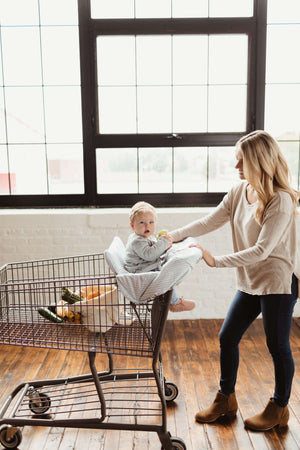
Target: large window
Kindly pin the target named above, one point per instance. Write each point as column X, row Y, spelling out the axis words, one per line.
column 177, row 85
column 282, row 106
column 106, row 102
column 41, row 151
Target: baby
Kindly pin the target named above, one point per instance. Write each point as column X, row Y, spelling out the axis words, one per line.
column 144, row 252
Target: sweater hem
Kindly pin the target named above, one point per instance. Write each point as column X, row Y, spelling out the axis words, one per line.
column 264, row 292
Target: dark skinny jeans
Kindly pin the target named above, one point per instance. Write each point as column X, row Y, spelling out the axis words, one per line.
column 277, row 312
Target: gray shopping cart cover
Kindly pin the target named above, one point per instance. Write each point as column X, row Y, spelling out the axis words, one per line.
column 139, row 287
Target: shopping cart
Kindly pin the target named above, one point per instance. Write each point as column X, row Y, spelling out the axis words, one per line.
column 75, row 303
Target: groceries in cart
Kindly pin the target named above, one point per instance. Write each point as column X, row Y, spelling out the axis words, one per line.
column 90, row 306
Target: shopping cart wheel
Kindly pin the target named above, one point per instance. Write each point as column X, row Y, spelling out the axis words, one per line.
column 9, row 437
column 171, row 391
column 40, row 405
column 177, row 443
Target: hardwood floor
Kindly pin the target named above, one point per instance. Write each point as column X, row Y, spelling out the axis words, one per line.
column 191, row 360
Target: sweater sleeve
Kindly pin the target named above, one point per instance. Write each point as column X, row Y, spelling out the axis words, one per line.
column 209, row 223
column 276, row 222
column 150, row 250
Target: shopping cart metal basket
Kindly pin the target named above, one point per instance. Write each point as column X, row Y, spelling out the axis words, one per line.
column 74, row 303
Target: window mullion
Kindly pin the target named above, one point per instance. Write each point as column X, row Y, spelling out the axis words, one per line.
column 88, row 95
column 173, row 26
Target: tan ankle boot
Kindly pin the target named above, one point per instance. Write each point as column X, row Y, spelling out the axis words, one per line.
column 223, row 405
column 270, row 417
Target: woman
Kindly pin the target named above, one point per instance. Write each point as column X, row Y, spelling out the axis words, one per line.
column 261, row 210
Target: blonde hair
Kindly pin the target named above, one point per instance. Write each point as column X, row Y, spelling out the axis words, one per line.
column 266, row 169
column 139, row 208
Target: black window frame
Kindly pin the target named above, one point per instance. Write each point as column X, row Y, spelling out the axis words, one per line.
column 89, row 29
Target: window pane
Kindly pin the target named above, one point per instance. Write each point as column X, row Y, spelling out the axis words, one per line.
column 291, row 151
column 153, row 60
column 154, row 109
column 28, row 163
column 153, row 8
column 155, row 173
column 282, row 109
column 283, row 12
column 283, row 64
column 156, row 65
column 21, row 56
column 103, row 9
column 65, row 168
column 228, row 57
column 116, row 170
column 60, row 48
column 117, row 110
column 19, row 12
column 63, row 114
column 230, row 8
column 3, row 137
column 190, row 109
column 116, row 60
column 190, row 59
column 222, row 174
column 57, row 12
column 24, row 114
column 221, row 98
column 4, row 179
column 190, row 8
column 190, row 169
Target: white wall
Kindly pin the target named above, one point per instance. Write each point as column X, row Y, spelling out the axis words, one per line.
column 39, row 234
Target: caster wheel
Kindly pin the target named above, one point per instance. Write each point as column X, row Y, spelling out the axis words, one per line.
column 177, row 443
column 10, row 442
column 171, row 391
column 40, row 406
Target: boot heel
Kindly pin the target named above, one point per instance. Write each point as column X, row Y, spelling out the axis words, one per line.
column 284, row 420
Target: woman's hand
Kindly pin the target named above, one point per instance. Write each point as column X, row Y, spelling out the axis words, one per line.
column 207, row 256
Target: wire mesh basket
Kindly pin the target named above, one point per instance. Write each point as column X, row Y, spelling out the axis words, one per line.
column 71, row 303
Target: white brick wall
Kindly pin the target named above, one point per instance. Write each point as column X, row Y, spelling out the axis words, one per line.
column 38, row 234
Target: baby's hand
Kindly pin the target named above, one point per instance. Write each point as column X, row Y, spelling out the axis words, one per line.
column 168, row 238
column 162, row 232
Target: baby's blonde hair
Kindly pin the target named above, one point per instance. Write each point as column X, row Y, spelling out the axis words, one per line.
column 139, row 208
column 265, row 168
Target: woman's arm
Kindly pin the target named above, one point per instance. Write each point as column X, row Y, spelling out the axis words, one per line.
column 275, row 230
column 209, row 223
column 269, row 237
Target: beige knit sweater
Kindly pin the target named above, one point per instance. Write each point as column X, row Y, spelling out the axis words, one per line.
column 264, row 256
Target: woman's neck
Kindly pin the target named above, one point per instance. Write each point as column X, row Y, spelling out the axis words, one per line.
column 251, row 194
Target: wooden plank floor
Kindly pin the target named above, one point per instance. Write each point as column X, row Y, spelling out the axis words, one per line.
column 191, row 360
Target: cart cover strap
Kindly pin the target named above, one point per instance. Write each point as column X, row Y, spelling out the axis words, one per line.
column 139, row 287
